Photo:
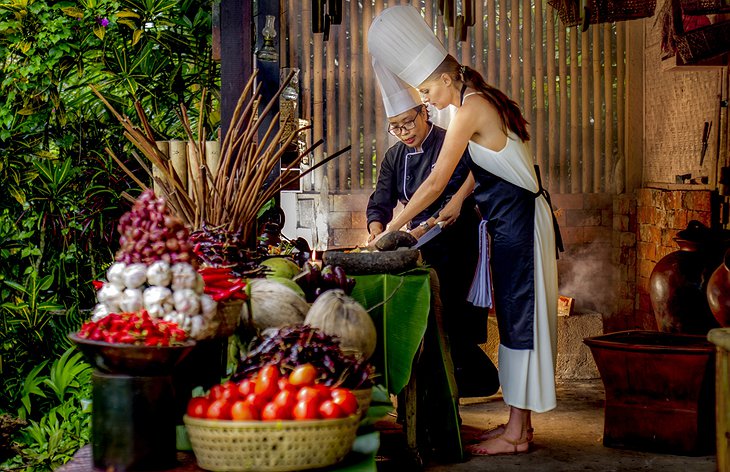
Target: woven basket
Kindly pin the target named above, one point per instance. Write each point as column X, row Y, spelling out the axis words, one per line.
column 363, row 396
column 703, row 43
column 270, row 445
column 229, row 315
column 603, row 11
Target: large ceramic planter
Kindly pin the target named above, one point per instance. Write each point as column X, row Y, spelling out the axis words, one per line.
column 660, row 391
column 718, row 292
column 678, row 283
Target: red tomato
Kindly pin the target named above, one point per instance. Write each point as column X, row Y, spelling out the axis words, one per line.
column 272, row 411
column 308, row 393
column 225, row 391
column 303, row 375
column 286, row 399
column 242, row 410
column 257, row 401
column 346, row 400
column 324, row 391
column 198, row 407
column 267, row 382
column 330, row 410
column 306, row 410
column 219, row 410
column 245, row 387
column 285, row 385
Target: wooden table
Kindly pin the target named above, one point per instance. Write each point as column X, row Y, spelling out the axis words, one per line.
column 414, row 359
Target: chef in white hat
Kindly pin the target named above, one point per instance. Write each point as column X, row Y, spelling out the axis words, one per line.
column 515, row 208
column 454, row 252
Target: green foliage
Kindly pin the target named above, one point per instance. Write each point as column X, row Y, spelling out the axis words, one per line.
column 51, row 439
column 63, row 193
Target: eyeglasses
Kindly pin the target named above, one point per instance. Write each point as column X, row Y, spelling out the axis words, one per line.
column 407, row 125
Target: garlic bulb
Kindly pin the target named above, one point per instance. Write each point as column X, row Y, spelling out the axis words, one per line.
column 131, row 300
column 135, row 275
column 184, row 276
column 110, row 295
column 158, row 273
column 186, row 301
column 115, row 274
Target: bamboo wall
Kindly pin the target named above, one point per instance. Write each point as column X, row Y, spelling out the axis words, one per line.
column 569, row 85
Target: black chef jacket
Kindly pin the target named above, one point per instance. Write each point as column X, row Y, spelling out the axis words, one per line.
column 403, row 170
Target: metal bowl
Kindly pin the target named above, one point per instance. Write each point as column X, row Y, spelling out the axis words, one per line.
column 378, row 262
column 131, row 359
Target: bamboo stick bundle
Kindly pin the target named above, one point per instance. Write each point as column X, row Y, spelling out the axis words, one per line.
column 231, row 199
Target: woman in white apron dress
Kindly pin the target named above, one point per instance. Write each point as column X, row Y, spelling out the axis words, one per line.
column 515, row 211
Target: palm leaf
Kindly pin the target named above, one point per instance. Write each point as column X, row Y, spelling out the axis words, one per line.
column 67, row 372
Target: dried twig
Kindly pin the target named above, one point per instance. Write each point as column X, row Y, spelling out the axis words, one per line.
column 232, row 198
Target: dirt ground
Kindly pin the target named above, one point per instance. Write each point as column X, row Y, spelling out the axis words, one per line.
column 569, row 438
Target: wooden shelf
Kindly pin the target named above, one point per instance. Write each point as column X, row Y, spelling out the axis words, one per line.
column 675, row 63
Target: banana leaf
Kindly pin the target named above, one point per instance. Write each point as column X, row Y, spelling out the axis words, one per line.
column 399, row 306
column 405, row 313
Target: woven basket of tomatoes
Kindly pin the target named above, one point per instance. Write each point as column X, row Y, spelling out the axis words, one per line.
column 272, row 422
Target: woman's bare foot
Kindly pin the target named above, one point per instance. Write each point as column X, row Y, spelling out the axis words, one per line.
column 499, row 430
column 499, row 445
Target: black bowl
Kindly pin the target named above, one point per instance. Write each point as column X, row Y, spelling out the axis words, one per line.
column 131, row 359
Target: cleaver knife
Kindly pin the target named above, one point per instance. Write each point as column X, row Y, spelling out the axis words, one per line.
column 429, row 235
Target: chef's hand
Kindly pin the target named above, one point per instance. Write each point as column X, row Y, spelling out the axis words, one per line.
column 418, row 231
column 450, row 212
column 371, row 242
column 376, row 227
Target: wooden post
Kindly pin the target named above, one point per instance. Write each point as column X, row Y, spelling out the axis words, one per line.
column 478, row 34
column 343, row 100
column 503, row 34
column 634, row 145
column 236, row 31
column 608, row 99
column 380, row 126
column 574, row 117
column 514, row 46
column 585, row 88
column 318, row 106
column 268, row 74
column 620, row 77
column 356, row 59
column 491, row 25
column 563, row 134
column 597, row 110
column 552, row 172
column 367, row 100
column 526, row 26
column 539, row 140
column 331, row 122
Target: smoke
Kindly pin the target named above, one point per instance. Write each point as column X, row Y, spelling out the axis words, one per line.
column 586, row 274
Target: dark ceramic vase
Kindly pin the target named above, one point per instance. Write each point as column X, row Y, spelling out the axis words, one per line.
column 678, row 282
column 718, row 292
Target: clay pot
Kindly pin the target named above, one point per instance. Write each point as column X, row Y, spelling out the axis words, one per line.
column 678, row 282
column 718, row 292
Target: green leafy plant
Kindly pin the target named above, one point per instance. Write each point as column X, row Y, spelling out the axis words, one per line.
column 51, row 439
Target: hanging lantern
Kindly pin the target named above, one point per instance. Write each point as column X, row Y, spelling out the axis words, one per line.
column 318, row 15
column 335, row 11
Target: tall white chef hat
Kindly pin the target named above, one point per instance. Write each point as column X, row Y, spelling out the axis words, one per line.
column 398, row 96
column 401, row 41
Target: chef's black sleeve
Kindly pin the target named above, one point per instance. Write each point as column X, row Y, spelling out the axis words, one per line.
column 385, row 197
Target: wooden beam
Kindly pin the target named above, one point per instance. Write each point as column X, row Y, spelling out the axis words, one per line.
column 236, row 21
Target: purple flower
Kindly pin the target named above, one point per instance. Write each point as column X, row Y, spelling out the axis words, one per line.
column 103, row 22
